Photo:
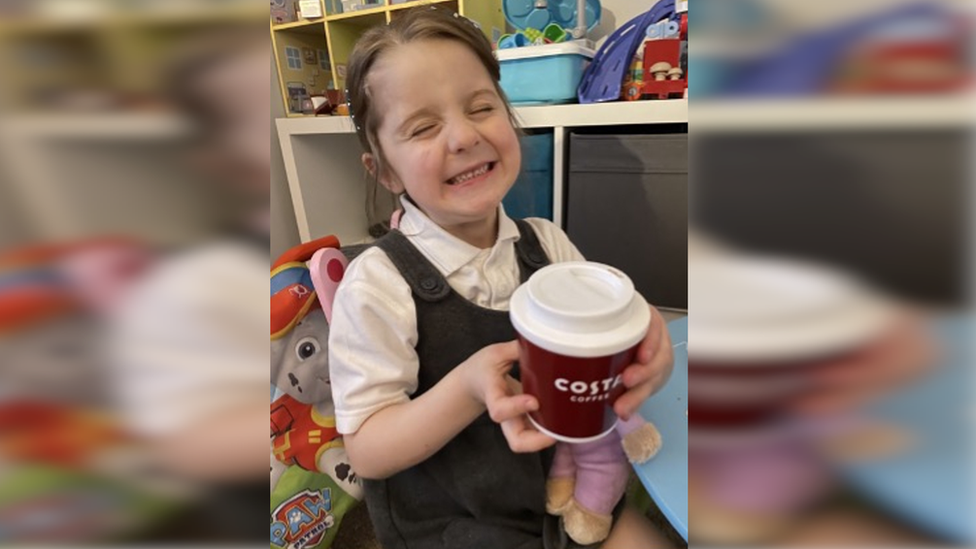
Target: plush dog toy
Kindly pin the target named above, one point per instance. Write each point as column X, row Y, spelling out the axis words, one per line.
column 587, row 480
column 312, row 483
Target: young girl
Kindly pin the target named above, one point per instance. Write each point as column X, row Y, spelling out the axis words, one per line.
column 421, row 349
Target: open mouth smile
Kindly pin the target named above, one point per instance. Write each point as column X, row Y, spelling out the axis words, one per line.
column 472, row 175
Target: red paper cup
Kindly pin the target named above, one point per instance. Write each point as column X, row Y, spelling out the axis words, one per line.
column 760, row 329
column 579, row 325
column 731, row 395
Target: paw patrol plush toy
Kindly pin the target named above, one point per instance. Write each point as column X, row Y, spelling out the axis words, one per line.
column 312, row 484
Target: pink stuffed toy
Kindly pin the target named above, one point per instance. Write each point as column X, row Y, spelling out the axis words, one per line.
column 588, row 479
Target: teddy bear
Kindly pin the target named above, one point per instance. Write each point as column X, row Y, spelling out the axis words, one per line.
column 312, row 482
column 587, row 479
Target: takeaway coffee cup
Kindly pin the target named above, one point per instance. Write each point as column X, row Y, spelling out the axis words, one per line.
column 579, row 325
column 763, row 327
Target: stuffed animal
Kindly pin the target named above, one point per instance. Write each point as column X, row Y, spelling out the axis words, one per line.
column 588, row 479
column 312, row 483
column 55, row 300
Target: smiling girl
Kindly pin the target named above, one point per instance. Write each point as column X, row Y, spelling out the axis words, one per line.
column 421, row 351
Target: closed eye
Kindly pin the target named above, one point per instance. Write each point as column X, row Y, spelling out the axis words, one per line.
column 421, row 130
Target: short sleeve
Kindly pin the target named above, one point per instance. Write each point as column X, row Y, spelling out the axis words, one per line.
column 373, row 360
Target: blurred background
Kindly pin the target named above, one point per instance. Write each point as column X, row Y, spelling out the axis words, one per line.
column 830, row 273
column 134, row 199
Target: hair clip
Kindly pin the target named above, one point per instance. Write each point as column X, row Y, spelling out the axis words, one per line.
column 470, row 21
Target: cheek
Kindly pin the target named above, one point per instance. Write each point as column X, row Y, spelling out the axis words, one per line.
column 508, row 144
column 429, row 162
column 423, row 164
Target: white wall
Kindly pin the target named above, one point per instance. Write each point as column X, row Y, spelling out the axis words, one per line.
column 615, row 13
column 284, row 231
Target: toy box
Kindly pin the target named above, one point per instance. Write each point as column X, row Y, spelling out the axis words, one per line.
column 544, row 67
column 663, row 75
column 543, row 74
column 531, row 195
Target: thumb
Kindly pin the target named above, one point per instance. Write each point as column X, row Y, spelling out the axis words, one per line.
column 507, row 352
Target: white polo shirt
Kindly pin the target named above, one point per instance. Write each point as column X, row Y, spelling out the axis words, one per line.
column 372, row 356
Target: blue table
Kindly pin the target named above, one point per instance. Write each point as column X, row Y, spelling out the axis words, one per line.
column 929, row 486
column 666, row 475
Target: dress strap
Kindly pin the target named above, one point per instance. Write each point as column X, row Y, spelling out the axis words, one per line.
column 424, row 279
column 532, row 256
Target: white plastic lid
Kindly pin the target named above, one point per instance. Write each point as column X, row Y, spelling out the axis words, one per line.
column 753, row 309
column 581, row 309
column 544, row 50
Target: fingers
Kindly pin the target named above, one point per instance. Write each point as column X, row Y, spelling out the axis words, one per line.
column 503, row 353
column 659, row 366
column 655, row 350
column 656, row 339
column 484, row 371
column 829, row 402
column 854, row 380
column 655, row 362
column 523, row 438
column 643, row 380
column 508, row 408
column 629, row 402
column 505, row 407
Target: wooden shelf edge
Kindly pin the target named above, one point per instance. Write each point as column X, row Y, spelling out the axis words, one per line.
column 298, row 24
column 315, row 125
column 357, row 13
column 416, row 3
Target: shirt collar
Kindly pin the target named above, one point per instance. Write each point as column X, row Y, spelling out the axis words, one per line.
column 447, row 252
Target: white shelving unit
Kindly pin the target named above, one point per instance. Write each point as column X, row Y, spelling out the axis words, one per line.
column 82, row 175
column 811, row 114
column 327, row 181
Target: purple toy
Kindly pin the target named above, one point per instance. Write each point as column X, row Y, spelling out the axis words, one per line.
column 588, row 479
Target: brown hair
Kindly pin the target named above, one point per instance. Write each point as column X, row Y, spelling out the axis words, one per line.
column 415, row 25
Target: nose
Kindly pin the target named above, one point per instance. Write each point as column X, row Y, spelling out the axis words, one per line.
column 462, row 136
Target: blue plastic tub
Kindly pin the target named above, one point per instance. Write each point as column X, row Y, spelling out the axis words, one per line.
column 543, row 74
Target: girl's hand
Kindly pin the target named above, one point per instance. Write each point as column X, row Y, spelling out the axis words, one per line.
column 489, row 383
column 901, row 355
column 655, row 360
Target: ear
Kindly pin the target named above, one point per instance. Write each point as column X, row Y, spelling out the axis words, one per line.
column 327, row 267
column 383, row 176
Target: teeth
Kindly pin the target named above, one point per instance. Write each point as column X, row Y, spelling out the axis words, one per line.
column 466, row 176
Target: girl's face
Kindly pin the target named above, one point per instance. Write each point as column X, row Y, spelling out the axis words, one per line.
column 444, row 132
